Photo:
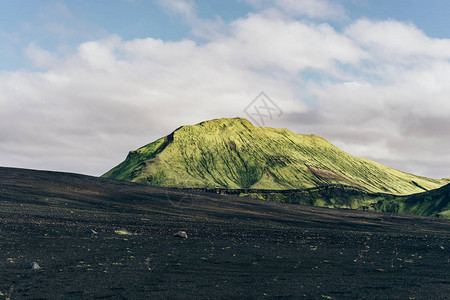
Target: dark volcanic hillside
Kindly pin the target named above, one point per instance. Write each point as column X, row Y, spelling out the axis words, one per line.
column 237, row 247
column 234, row 154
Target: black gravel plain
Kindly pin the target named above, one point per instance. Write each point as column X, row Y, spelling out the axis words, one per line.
column 236, row 248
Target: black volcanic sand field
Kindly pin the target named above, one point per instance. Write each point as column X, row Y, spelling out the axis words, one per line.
column 237, row 247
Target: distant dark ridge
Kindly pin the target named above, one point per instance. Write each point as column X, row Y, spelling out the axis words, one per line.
column 333, row 196
column 435, row 203
column 288, row 191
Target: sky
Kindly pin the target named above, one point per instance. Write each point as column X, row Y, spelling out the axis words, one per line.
column 84, row 82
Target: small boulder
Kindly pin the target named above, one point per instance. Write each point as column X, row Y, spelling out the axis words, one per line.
column 181, row 234
column 34, row 266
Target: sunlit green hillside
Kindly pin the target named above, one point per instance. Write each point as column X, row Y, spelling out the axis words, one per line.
column 232, row 153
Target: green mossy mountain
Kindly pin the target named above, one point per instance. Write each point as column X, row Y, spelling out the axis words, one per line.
column 234, row 154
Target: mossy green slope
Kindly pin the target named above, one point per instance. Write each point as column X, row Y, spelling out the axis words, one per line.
column 435, row 203
column 232, row 153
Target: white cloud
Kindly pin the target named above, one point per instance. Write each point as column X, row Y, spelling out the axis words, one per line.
column 186, row 10
column 362, row 88
column 180, row 7
column 99, row 55
column 395, row 41
column 40, row 57
column 262, row 43
column 313, row 9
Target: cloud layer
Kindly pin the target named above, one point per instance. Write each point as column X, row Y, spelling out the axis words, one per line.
column 377, row 89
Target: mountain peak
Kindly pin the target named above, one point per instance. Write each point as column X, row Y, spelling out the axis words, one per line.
column 227, row 121
column 222, row 124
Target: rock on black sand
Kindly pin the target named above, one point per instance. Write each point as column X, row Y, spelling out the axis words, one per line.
column 181, row 234
column 34, row 266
